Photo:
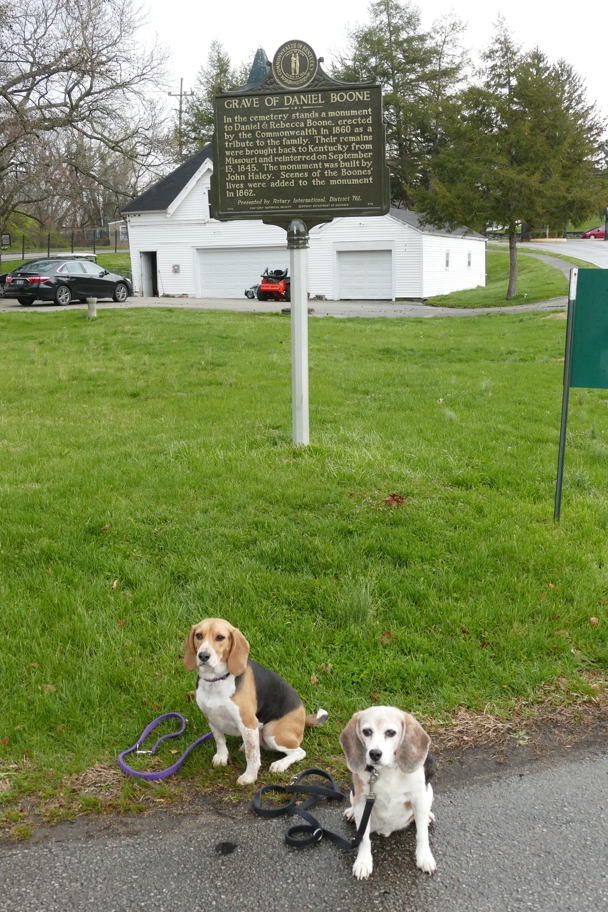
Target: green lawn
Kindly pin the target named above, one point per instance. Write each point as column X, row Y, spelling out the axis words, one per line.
column 536, row 281
column 114, row 262
column 148, row 480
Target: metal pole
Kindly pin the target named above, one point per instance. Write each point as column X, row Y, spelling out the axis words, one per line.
column 115, row 241
column 297, row 242
column 23, row 246
column 94, row 240
column 606, row 224
column 72, row 242
column 566, row 393
column 48, row 244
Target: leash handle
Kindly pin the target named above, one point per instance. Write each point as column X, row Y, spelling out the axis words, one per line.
column 161, row 774
column 309, row 833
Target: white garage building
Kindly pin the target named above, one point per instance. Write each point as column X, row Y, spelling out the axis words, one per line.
column 178, row 249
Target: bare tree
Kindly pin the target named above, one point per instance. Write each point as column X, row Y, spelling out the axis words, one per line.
column 74, row 75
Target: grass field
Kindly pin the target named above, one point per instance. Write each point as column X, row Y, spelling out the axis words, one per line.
column 114, row 262
column 148, row 480
column 536, row 281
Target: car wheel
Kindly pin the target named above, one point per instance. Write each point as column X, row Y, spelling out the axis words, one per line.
column 261, row 295
column 26, row 302
column 121, row 293
column 63, row 295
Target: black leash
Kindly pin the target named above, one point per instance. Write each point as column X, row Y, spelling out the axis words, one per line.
column 311, row 832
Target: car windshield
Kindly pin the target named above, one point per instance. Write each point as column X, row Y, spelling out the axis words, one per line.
column 42, row 267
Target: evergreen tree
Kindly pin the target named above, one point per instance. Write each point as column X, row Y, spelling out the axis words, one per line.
column 522, row 146
column 419, row 71
column 218, row 75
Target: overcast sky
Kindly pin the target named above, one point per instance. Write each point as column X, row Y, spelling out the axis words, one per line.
column 575, row 32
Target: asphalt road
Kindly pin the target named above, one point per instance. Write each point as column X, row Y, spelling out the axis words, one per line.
column 595, row 252
column 535, row 840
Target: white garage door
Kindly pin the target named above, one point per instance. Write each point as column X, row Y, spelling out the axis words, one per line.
column 226, row 273
column 365, row 274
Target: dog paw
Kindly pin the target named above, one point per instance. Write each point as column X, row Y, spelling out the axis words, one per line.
column 349, row 813
column 363, row 867
column 431, row 817
column 220, row 760
column 426, row 862
column 279, row 766
column 247, row 778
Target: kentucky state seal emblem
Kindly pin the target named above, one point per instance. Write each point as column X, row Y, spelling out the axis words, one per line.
column 295, row 65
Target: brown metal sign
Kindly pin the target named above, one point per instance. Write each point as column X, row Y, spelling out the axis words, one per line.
column 299, row 145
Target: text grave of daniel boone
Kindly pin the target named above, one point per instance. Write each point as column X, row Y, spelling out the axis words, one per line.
column 319, row 152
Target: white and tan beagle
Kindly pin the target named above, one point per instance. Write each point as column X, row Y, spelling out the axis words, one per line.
column 240, row 697
column 388, row 750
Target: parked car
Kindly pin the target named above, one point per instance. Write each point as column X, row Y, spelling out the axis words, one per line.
column 63, row 280
column 593, row 233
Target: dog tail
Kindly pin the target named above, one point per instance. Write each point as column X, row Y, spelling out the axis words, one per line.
column 319, row 719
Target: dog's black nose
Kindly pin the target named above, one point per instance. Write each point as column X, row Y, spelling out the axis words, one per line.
column 374, row 755
column 203, row 657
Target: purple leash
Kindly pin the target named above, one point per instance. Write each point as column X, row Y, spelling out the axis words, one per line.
column 162, row 774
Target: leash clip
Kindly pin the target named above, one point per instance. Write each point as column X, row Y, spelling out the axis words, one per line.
column 318, row 831
column 372, row 781
column 143, row 752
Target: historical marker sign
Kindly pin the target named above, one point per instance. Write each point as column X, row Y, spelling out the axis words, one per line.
column 299, row 145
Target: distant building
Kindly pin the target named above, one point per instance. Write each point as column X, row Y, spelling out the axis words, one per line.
column 178, row 249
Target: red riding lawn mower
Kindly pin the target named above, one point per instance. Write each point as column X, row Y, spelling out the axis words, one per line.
column 275, row 286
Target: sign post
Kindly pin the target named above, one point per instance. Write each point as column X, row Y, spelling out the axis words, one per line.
column 586, row 354
column 296, row 149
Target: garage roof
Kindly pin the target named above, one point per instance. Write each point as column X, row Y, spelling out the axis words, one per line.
column 160, row 196
column 410, row 218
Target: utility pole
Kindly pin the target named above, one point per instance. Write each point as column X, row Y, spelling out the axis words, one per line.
column 181, row 95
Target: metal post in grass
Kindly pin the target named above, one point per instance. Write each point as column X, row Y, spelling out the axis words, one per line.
column 48, row 244
column 72, row 242
column 297, row 243
column 115, row 241
column 94, row 240
column 586, row 355
column 566, row 392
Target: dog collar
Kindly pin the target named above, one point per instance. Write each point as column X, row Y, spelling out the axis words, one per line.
column 215, row 680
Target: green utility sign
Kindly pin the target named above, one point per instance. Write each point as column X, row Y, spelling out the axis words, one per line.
column 586, row 356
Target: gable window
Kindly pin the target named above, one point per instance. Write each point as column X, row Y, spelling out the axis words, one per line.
column 447, row 259
column 469, row 259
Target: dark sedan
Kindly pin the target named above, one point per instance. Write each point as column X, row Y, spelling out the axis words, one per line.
column 63, row 280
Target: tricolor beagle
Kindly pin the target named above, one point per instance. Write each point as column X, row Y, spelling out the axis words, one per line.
column 240, row 697
column 387, row 751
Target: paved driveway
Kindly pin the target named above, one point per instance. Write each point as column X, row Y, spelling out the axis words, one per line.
column 534, row 841
column 321, row 308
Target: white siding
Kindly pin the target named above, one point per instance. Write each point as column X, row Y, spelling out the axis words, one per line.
column 458, row 276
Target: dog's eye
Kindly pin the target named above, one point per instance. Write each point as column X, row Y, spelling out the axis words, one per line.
column 390, row 733
column 367, row 732
column 219, row 638
column 198, row 636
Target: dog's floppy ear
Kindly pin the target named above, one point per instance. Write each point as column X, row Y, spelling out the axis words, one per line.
column 190, row 650
column 237, row 659
column 352, row 745
column 414, row 745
